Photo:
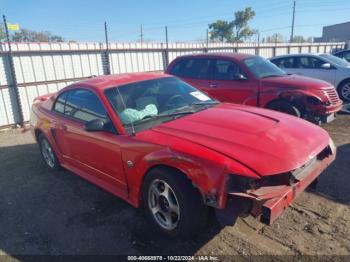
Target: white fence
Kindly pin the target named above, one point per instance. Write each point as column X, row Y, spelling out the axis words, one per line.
column 42, row 68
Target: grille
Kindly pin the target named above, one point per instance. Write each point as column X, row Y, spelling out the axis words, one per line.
column 332, row 95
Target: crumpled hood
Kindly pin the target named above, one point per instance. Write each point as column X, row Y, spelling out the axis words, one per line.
column 295, row 81
column 268, row 142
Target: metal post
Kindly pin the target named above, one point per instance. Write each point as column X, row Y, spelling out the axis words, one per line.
column 107, row 67
column 207, row 41
column 141, row 34
column 166, row 52
column 13, row 84
column 257, row 50
column 292, row 33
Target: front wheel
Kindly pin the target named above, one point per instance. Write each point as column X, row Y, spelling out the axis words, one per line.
column 172, row 204
column 48, row 153
column 285, row 107
column 344, row 91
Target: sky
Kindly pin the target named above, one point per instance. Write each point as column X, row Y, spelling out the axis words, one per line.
column 187, row 20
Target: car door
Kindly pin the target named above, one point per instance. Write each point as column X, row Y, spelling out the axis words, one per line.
column 194, row 71
column 312, row 67
column 230, row 83
column 97, row 155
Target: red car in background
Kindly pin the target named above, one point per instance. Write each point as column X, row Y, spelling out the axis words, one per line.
column 157, row 142
column 252, row 80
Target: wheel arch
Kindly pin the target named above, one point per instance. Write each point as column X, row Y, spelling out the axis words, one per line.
column 172, row 171
column 343, row 81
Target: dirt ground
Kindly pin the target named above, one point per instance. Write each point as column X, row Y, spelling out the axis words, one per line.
column 43, row 212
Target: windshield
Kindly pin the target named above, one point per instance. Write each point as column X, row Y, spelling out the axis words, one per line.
column 262, row 68
column 335, row 60
column 144, row 104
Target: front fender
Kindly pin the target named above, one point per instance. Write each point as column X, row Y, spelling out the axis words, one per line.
column 289, row 94
column 207, row 171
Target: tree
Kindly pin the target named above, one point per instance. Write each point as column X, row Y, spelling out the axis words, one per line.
column 236, row 30
column 26, row 35
column 275, row 38
column 240, row 24
column 221, row 30
column 298, row 39
column 2, row 33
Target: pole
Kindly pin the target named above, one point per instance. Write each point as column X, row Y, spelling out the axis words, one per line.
column 166, row 37
column 141, row 34
column 292, row 33
column 20, row 119
column 108, row 69
column 166, row 51
column 207, row 39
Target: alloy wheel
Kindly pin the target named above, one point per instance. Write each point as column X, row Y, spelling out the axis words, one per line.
column 163, row 204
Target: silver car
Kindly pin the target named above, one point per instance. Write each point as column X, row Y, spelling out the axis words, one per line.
column 322, row 66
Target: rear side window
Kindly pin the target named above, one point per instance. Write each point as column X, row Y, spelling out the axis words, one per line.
column 80, row 104
column 177, row 70
column 284, row 62
column 198, row 68
column 226, row 70
column 60, row 102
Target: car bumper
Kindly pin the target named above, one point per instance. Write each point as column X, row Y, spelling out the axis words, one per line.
column 269, row 202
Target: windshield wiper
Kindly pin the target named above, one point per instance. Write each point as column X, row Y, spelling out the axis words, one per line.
column 272, row 76
column 204, row 103
column 156, row 117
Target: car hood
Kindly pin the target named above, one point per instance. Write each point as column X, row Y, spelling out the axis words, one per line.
column 295, row 81
column 266, row 141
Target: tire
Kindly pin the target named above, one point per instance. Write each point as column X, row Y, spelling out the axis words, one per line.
column 344, row 91
column 47, row 153
column 285, row 107
column 182, row 213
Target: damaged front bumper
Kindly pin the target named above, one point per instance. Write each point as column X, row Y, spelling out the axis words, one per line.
column 270, row 200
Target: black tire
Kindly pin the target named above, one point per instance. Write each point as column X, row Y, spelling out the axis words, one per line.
column 53, row 162
column 285, row 107
column 344, row 91
column 193, row 214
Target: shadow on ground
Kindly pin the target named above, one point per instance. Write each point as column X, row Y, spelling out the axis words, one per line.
column 51, row 213
column 334, row 182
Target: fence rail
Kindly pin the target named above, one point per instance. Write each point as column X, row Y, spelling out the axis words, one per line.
column 42, row 68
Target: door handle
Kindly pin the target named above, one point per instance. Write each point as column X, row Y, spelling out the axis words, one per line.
column 213, row 85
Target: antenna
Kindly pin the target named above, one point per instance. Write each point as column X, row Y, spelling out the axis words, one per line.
column 124, row 105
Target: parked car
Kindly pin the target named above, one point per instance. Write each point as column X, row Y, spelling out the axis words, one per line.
column 322, row 66
column 252, row 80
column 158, row 142
column 344, row 54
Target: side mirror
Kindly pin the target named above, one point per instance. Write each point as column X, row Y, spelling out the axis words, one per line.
column 95, row 125
column 326, row 66
column 239, row 76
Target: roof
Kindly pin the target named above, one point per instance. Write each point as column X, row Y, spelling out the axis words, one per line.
column 107, row 81
column 236, row 56
column 292, row 55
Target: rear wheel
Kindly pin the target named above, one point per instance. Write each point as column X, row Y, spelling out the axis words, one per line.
column 285, row 107
column 48, row 153
column 172, row 204
column 344, row 91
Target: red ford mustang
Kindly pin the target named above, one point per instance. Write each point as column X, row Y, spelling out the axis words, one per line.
column 158, row 142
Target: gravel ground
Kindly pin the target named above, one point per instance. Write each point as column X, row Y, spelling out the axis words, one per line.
column 55, row 213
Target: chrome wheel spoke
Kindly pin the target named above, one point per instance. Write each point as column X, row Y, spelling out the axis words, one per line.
column 163, row 204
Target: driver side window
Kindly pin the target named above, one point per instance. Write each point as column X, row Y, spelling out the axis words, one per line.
column 226, row 70
column 80, row 104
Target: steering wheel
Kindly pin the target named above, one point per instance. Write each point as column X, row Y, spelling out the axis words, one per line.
column 172, row 100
